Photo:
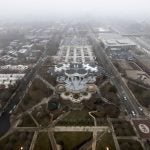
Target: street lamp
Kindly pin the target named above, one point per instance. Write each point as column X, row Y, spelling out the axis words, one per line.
column 21, row 148
column 107, row 148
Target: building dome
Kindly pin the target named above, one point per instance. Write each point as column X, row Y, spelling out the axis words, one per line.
column 53, row 104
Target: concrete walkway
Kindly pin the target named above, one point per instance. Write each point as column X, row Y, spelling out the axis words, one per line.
column 45, row 82
column 52, row 140
column 37, row 124
column 64, row 129
column 94, row 132
column 33, row 140
column 114, row 135
column 127, row 137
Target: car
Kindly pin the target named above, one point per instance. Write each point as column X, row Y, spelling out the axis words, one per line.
column 14, row 107
column 10, row 112
column 140, row 109
column 133, row 113
column 125, row 98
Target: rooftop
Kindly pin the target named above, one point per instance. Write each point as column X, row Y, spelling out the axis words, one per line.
column 115, row 40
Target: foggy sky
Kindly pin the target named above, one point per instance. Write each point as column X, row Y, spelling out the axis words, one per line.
column 36, row 8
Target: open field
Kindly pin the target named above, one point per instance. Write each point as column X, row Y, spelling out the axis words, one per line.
column 105, row 141
column 42, row 142
column 109, row 91
column 130, row 145
column 42, row 115
column 72, row 140
column 36, row 93
column 16, row 140
column 123, row 128
column 141, row 94
column 27, row 122
column 80, row 117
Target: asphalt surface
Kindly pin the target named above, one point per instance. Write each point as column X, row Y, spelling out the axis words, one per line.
column 15, row 99
column 20, row 91
column 130, row 102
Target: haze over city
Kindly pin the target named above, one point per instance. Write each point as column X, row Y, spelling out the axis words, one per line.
column 32, row 9
column 74, row 75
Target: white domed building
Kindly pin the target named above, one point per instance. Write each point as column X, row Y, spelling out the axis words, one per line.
column 74, row 79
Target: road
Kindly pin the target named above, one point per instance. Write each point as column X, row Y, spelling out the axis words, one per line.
column 130, row 103
column 23, row 86
column 17, row 96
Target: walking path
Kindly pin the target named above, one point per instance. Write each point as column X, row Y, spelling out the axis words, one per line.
column 114, row 135
column 94, row 132
column 33, row 140
column 52, row 140
column 37, row 124
column 45, row 82
column 64, row 129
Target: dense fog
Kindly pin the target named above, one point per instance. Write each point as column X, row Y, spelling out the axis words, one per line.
column 31, row 9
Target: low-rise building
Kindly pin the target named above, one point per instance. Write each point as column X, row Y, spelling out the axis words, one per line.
column 13, row 68
column 113, row 40
column 10, row 79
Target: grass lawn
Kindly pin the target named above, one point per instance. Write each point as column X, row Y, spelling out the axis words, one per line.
column 79, row 117
column 102, row 121
column 78, row 114
column 141, row 94
column 109, row 92
column 27, row 122
column 43, row 73
column 72, row 140
column 43, row 142
column 105, row 141
column 123, row 128
column 44, row 117
column 36, row 93
column 129, row 145
column 16, row 140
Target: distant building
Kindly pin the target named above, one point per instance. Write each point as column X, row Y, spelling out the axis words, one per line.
column 76, row 71
column 28, row 47
column 10, row 79
column 103, row 30
column 76, row 81
column 13, row 68
column 113, row 40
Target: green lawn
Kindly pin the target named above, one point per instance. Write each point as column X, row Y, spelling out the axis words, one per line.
column 141, row 94
column 129, row 145
column 123, row 128
column 44, row 117
column 105, row 141
column 36, row 93
column 77, row 118
column 16, row 140
column 78, row 114
column 72, row 140
column 43, row 142
column 109, row 91
column 27, row 122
